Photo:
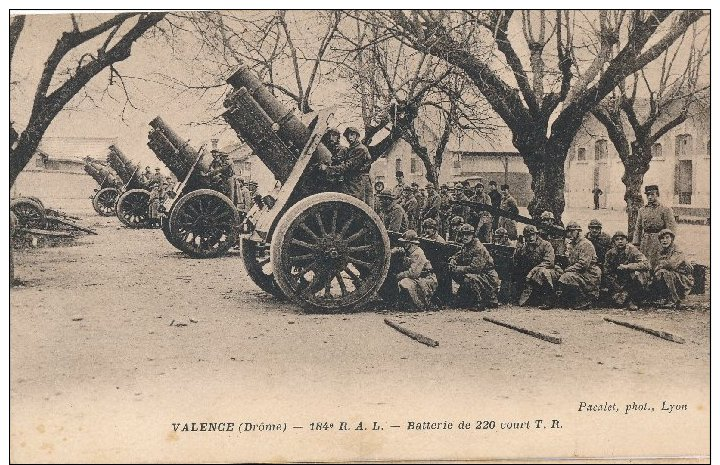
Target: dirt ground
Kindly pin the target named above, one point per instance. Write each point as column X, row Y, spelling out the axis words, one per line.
column 118, row 337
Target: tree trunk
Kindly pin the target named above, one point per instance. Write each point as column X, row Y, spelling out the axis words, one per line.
column 548, row 186
column 635, row 168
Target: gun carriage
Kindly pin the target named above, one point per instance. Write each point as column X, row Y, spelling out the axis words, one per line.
column 199, row 217
column 104, row 199
column 132, row 205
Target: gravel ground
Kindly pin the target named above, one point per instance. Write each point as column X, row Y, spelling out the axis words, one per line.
column 119, row 336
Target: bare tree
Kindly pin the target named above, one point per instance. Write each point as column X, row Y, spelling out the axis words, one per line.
column 113, row 37
column 647, row 106
column 529, row 98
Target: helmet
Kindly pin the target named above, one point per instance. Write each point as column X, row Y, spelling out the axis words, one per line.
column 466, row 229
column 456, row 220
column 351, row 129
column 666, row 232
column 619, row 234
column 479, row 185
column 529, row 229
column 429, row 223
column 333, row 131
column 573, row 226
column 500, row 232
column 594, row 224
column 410, row 236
column 547, row 215
column 429, row 186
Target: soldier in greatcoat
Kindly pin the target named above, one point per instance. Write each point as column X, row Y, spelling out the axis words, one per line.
column 410, row 205
column 672, row 274
column 556, row 239
column 444, row 207
column 652, row 218
column 509, row 204
column 393, row 214
column 473, row 269
column 353, row 167
column 626, row 272
column 500, row 237
column 579, row 285
column 416, row 280
column 534, row 261
column 600, row 240
column 431, row 208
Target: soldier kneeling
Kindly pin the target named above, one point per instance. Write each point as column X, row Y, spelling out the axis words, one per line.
column 536, row 255
column 626, row 272
column 416, row 280
column 580, row 282
column 673, row 276
column 474, row 270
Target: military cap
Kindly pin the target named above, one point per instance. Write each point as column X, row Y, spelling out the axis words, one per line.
column 652, row 188
column 529, row 229
column 252, row 183
column 493, row 183
column 415, row 185
column 547, row 215
column 619, row 234
column 430, row 223
column 333, row 131
column 666, row 232
column 351, row 129
column 500, row 232
column 479, row 185
column 456, row 220
column 594, row 224
column 466, row 229
column 407, row 189
column 573, row 226
column 410, row 236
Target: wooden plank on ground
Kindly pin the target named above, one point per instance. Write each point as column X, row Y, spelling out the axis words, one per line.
column 412, row 334
column 44, row 232
column 529, row 332
column 72, row 225
column 661, row 334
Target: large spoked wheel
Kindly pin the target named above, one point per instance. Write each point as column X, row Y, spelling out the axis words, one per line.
column 29, row 213
column 256, row 258
column 105, row 200
column 204, row 223
column 165, row 226
column 133, row 208
column 330, row 253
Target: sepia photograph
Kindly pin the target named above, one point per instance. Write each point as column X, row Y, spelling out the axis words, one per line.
column 369, row 235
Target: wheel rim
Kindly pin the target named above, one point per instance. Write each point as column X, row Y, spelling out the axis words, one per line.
column 106, row 201
column 256, row 258
column 331, row 256
column 133, row 208
column 29, row 215
column 204, row 224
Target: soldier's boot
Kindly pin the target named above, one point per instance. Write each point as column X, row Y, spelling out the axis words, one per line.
column 525, row 296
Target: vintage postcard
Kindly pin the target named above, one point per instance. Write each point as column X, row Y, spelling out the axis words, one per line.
column 359, row 235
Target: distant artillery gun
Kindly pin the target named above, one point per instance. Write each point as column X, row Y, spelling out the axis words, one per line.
column 132, row 206
column 199, row 217
column 105, row 197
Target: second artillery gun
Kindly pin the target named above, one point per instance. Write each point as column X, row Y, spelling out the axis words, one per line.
column 105, row 198
column 199, row 217
column 132, row 206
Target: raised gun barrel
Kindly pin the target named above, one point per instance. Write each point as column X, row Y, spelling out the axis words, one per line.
column 128, row 171
column 101, row 173
column 274, row 133
column 178, row 155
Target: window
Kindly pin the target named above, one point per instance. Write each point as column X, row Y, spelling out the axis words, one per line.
column 398, row 164
column 414, row 165
column 683, row 147
column 656, row 150
column 601, row 150
column 581, row 154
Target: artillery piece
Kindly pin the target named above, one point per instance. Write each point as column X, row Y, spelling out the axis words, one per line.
column 105, row 198
column 329, row 251
column 132, row 205
column 200, row 218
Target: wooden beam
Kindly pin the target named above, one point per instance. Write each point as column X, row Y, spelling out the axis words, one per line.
column 412, row 334
column 661, row 334
column 544, row 337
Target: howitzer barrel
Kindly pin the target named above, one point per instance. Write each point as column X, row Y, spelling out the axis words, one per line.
column 102, row 174
column 174, row 152
column 273, row 131
column 128, row 171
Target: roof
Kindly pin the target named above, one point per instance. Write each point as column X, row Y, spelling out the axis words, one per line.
column 75, row 148
column 486, row 154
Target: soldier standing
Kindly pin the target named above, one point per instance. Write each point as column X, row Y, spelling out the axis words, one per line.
column 534, row 262
column 432, row 204
column 417, row 279
column 652, row 218
column 444, row 207
column 244, row 198
column 331, row 141
column 393, row 214
column 509, row 204
column 354, row 167
column 474, row 270
column 156, row 195
column 410, row 204
column 399, row 189
column 495, row 199
column 600, row 240
column 597, row 192
column 580, row 282
column 625, row 272
column 672, row 275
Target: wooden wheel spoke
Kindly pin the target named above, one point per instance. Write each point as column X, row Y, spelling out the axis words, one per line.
column 333, row 224
column 303, row 244
column 305, row 228
column 361, row 248
column 300, row 258
column 319, row 221
column 345, row 227
column 341, row 283
column 351, row 273
column 263, row 262
column 356, row 236
column 362, row 263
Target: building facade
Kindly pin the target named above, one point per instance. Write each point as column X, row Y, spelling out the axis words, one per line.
column 680, row 166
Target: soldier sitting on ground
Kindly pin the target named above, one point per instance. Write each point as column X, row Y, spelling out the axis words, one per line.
column 556, row 239
column 416, row 281
column 500, row 237
column 672, row 276
column 625, row 272
column 579, row 285
column 473, row 269
column 534, row 260
column 600, row 240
